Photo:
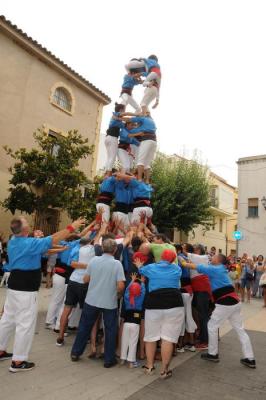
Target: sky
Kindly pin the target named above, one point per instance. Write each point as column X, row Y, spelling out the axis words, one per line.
column 212, row 55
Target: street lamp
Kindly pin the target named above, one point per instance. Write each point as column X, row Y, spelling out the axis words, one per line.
column 263, row 202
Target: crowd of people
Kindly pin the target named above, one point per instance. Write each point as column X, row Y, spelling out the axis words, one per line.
column 133, row 296
column 248, row 275
column 130, row 293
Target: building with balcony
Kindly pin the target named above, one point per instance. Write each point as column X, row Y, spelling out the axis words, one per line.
column 252, row 205
column 224, row 206
column 224, row 203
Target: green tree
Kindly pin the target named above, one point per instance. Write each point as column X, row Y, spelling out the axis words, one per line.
column 181, row 193
column 48, row 176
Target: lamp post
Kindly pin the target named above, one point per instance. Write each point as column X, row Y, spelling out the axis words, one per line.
column 263, row 202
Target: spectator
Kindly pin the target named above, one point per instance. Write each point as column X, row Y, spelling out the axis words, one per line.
column 247, row 277
column 259, row 269
column 106, row 278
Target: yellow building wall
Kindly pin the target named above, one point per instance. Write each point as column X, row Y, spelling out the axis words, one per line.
column 25, row 91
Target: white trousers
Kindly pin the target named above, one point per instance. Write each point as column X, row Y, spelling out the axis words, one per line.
column 136, row 215
column 126, row 160
column 5, row 278
column 146, row 153
column 130, row 337
column 20, row 315
column 233, row 315
column 150, row 94
column 127, row 99
column 57, row 299
column 111, row 144
column 189, row 324
column 106, row 211
column 123, row 218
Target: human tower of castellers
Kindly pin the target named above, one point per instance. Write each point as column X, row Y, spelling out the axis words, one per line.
column 118, row 283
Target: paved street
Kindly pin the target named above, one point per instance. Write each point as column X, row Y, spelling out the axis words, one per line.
column 56, row 378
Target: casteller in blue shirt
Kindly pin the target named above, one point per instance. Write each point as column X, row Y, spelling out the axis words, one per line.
column 108, row 185
column 25, row 253
column 124, row 138
column 217, row 274
column 140, row 190
column 130, row 81
column 115, row 122
column 162, row 275
column 147, row 124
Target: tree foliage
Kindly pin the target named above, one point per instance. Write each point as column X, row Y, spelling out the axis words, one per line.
column 48, row 176
column 181, row 193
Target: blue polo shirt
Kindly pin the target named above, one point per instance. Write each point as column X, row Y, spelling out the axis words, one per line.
column 129, row 82
column 108, row 185
column 217, row 274
column 25, row 253
column 64, row 256
column 116, row 123
column 126, row 139
column 146, row 125
column 150, row 63
column 162, row 275
column 122, row 193
column 140, row 189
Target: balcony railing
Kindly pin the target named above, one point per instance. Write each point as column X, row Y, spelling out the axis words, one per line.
column 214, row 202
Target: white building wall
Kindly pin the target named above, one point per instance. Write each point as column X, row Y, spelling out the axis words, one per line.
column 252, row 184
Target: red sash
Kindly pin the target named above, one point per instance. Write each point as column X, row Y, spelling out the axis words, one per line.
column 201, row 283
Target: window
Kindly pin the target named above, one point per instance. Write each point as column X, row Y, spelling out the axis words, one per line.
column 253, row 208
column 235, row 227
column 213, row 196
column 236, row 204
column 56, row 146
column 213, row 223
column 62, row 98
column 220, row 225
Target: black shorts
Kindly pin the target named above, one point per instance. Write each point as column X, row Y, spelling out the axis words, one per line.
column 75, row 294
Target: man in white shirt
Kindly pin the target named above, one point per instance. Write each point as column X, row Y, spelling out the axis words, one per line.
column 76, row 289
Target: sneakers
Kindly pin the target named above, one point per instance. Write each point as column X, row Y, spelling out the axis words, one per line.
column 5, row 356
column 248, row 363
column 180, row 350
column 49, row 326
column 134, row 364
column 190, row 347
column 202, row 346
column 21, row 367
column 210, row 357
column 60, row 342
